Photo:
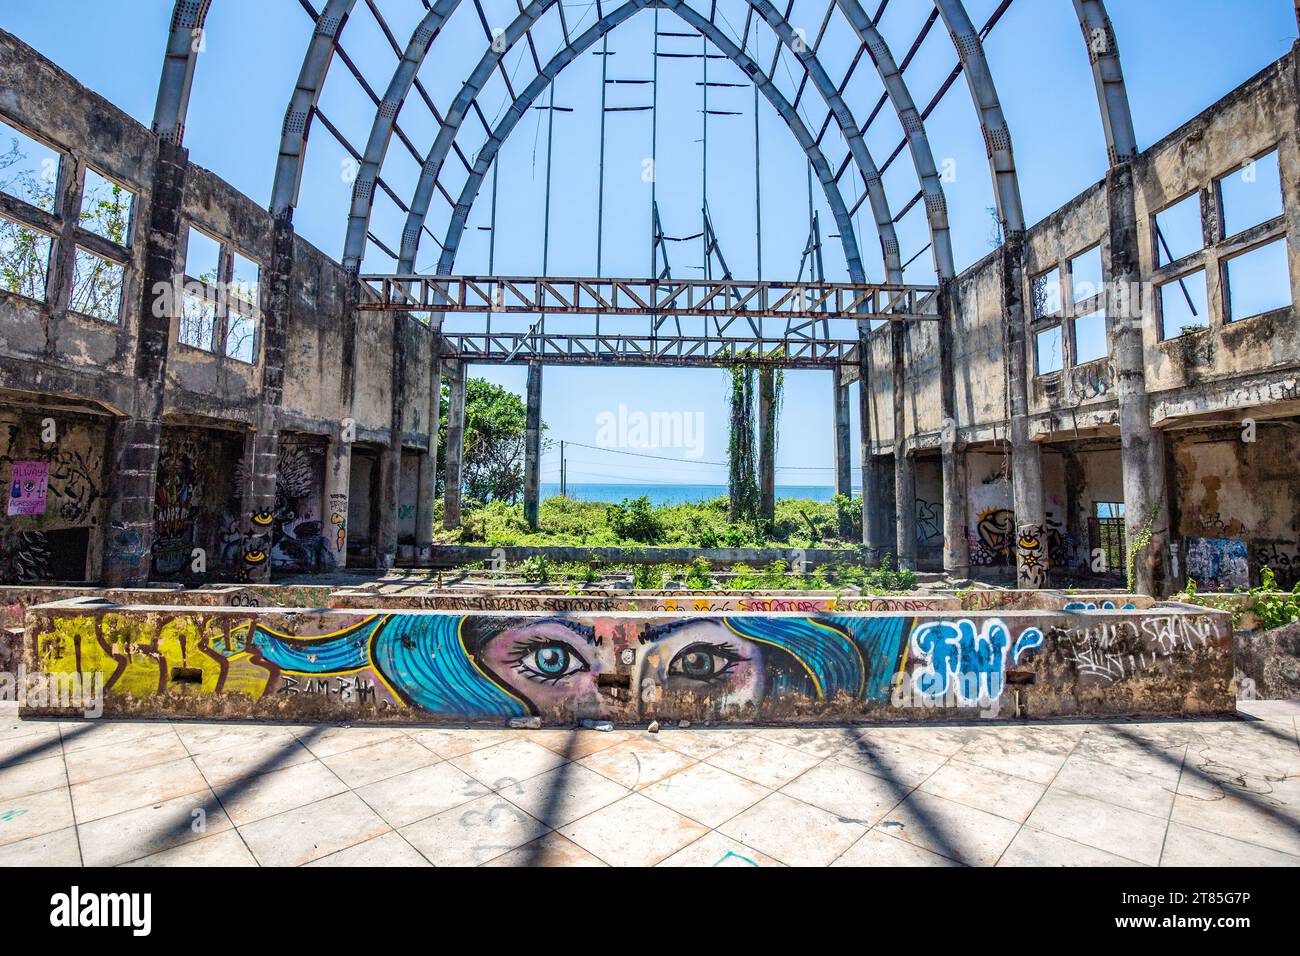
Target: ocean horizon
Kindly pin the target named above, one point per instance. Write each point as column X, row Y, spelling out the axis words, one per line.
column 671, row 494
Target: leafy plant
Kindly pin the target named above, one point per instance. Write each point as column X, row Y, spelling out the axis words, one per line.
column 699, row 575
column 647, row 577
column 1141, row 541
column 536, row 569
column 1274, row 609
column 635, row 520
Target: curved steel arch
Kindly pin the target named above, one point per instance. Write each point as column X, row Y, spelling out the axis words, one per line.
column 456, row 227
column 848, row 129
column 183, row 42
column 936, row 207
column 381, row 131
column 1112, row 96
column 984, row 93
column 297, row 117
column 528, row 16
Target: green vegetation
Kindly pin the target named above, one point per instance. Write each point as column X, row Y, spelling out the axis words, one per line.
column 699, row 576
column 798, row 523
column 495, row 421
column 1273, row 607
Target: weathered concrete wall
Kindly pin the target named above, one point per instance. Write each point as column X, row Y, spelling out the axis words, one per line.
column 65, row 542
column 1238, row 506
column 308, row 665
column 1268, row 664
column 339, row 374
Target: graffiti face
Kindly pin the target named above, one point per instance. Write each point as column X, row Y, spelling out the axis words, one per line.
column 703, row 658
column 1031, row 556
column 546, row 662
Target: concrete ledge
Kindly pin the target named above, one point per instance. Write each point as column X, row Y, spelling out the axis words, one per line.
column 375, row 664
column 449, row 556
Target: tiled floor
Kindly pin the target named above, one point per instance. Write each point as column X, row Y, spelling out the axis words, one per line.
column 1133, row 793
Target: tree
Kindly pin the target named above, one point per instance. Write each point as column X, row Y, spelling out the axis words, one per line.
column 496, row 420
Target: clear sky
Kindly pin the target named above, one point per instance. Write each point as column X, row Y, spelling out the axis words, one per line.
column 1179, row 56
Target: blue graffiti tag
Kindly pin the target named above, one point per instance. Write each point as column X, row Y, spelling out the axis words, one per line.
column 1094, row 606
column 972, row 663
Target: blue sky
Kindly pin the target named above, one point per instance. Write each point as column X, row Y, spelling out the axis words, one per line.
column 1178, row 55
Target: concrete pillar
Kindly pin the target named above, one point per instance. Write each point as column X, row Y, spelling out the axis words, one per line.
column 843, row 450
column 873, row 530
column 135, row 439
column 956, row 546
column 1142, row 447
column 390, row 457
column 426, row 497
column 338, row 480
column 904, row 475
column 1026, row 455
column 533, row 445
column 262, row 451
column 455, row 451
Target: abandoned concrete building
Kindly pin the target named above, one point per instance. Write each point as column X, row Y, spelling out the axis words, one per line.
column 185, row 375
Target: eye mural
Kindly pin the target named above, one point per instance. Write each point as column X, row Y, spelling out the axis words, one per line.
column 497, row 666
column 490, row 666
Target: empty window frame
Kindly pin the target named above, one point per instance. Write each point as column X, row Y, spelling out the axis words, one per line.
column 96, row 287
column 1249, row 195
column 198, row 322
column 106, row 208
column 1184, row 305
column 24, row 259
column 1257, row 281
column 1086, row 275
column 29, row 170
column 1047, row 351
column 1176, row 230
column 1045, row 293
column 202, row 257
column 1090, row 337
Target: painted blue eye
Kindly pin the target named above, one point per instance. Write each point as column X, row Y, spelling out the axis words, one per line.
column 550, row 661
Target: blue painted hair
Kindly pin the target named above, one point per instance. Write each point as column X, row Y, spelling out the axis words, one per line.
column 422, row 658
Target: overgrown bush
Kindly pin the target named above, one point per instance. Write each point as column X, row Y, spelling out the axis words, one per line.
column 635, row 520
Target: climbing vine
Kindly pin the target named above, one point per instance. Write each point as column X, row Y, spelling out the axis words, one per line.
column 1141, row 541
column 742, row 482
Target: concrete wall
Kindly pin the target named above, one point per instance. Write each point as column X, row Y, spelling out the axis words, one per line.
column 331, row 665
column 344, row 371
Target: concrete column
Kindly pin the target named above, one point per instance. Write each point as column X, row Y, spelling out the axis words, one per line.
column 424, row 505
column 843, row 455
column 873, row 530
column 1026, row 455
column 1142, row 447
column 135, row 439
column 390, row 457
column 767, row 433
column 338, row 479
column 262, row 452
column 956, row 546
column 455, row 451
column 904, row 475
column 533, row 445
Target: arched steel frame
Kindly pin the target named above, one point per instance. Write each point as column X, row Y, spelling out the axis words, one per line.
column 297, row 118
column 529, row 15
column 184, row 41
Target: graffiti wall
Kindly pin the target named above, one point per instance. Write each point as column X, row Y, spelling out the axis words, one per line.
column 303, row 533
column 196, row 502
column 509, row 600
column 1218, row 564
column 53, row 472
column 630, row 667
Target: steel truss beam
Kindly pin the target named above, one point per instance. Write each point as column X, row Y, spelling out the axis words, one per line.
column 632, row 349
column 702, row 298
